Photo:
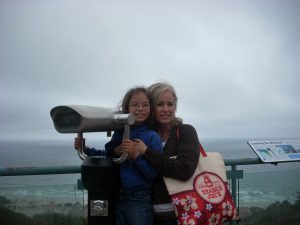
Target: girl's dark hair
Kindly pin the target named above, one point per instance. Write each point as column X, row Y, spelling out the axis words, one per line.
column 124, row 106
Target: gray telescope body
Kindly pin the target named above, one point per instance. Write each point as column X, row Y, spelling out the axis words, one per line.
column 81, row 119
column 95, row 170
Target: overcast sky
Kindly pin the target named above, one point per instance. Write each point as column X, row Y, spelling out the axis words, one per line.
column 234, row 64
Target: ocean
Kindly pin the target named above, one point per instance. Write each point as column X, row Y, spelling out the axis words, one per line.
column 262, row 184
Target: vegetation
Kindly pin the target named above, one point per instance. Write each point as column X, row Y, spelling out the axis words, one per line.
column 283, row 213
column 10, row 217
column 278, row 213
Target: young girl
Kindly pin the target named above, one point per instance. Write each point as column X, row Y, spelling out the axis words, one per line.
column 134, row 204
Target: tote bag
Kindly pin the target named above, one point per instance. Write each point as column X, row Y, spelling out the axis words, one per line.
column 205, row 198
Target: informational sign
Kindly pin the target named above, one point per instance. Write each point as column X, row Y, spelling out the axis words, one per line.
column 277, row 150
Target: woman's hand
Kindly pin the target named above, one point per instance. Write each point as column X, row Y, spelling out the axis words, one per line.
column 140, row 146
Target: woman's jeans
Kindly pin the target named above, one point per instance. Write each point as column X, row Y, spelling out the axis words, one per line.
column 134, row 208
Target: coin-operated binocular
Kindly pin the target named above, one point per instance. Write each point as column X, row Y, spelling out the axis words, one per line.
column 97, row 172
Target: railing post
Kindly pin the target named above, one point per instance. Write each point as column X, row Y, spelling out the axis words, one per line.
column 234, row 175
column 233, row 183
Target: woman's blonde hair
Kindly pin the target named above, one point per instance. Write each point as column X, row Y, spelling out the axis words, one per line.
column 155, row 91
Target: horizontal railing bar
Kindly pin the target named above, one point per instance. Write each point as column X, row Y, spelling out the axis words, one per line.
column 249, row 161
column 20, row 171
column 242, row 161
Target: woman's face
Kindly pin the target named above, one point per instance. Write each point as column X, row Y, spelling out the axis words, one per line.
column 139, row 106
column 165, row 108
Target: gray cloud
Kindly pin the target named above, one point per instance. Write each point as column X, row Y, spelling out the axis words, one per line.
column 234, row 64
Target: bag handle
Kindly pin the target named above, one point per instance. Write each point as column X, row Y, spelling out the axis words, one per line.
column 202, row 151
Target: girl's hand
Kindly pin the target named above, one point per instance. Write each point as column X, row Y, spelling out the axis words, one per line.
column 118, row 150
column 79, row 143
column 130, row 147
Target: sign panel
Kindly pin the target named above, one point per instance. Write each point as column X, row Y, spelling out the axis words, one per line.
column 277, row 150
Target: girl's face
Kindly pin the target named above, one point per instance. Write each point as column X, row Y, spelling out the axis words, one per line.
column 165, row 108
column 139, row 106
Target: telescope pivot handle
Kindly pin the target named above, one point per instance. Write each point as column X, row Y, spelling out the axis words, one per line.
column 81, row 154
column 126, row 135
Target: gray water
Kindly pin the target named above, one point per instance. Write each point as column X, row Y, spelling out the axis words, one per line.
column 262, row 184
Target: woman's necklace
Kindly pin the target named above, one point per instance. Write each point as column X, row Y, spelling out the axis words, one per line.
column 164, row 135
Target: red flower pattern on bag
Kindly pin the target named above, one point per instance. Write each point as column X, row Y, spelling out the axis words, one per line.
column 209, row 204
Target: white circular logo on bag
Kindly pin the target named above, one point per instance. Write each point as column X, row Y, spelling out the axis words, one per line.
column 210, row 187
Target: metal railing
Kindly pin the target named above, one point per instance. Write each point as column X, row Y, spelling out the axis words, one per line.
column 22, row 171
column 233, row 173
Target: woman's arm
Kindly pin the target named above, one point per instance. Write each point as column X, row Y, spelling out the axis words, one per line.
column 181, row 154
column 132, row 148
